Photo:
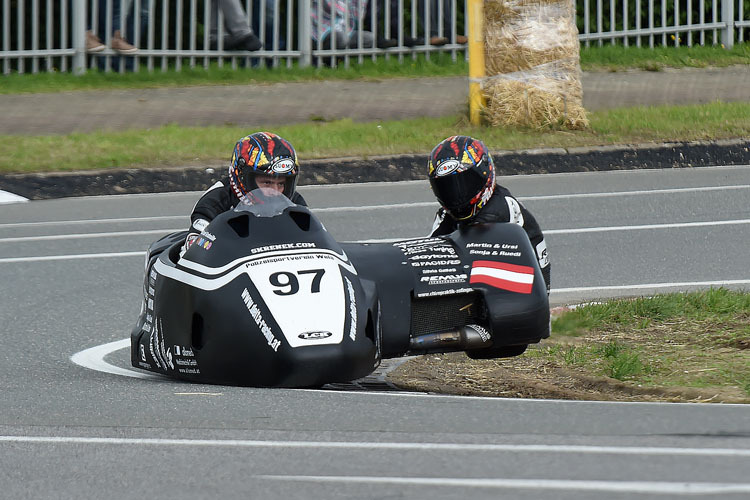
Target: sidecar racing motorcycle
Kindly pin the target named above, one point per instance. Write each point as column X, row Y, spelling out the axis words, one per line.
column 266, row 297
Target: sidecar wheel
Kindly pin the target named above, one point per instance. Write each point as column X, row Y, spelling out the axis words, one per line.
column 507, row 351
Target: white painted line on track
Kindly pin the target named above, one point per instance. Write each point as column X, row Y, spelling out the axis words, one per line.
column 110, row 234
column 643, row 487
column 72, row 257
column 396, row 446
column 6, row 197
column 602, row 229
column 93, row 358
column 679, row 225
column 646, row 286
column 394, row 205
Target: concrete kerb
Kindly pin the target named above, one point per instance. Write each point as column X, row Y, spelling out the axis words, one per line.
column 385, row 168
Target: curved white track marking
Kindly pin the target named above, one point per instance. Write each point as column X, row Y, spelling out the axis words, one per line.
column 72, row 257
column 394, row 446
column 644, row 487
column 6, row 197
column 93, row 359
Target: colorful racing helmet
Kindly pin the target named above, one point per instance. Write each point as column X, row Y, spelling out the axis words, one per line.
column 262, row 153
column 462, row 175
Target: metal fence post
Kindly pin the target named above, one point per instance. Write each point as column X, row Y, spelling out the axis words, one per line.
column 304, row 28
column 79, row 37
column 727, row 17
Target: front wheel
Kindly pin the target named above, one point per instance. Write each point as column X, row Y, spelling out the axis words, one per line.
column 507, row 351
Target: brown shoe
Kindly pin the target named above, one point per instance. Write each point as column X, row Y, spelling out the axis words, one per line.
column 461, row 39
column 119, row 44
column 438, row 40
column 93, row 43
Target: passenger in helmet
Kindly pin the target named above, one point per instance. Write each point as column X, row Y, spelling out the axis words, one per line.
column 260, row 160
column 462, row 177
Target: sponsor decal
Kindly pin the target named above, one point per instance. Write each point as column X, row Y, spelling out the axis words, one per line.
column 159, row 352
column 442, row 279
column 448, row 167
column 208, row 236
column 511, row 277
column 541, row 253
column 514, row 209
column 282, row 166
column 482, row 331
column 272, row 341
column 153, row 274
column 352, row 309
column 143, row 352
column 429, row 256
column 445, row 292
column 200, row 224
column 432, row 263
column 282, row 246
column 189, row 371
column 186, row 362
column 314, row 335
column 204, row 243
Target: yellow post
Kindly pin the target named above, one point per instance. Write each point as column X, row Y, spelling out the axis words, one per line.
column 476, row 59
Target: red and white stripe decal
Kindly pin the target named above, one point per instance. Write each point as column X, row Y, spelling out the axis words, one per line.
column 502, row 275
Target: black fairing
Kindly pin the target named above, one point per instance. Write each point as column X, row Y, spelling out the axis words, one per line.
column 205, row 319
column 219, row 314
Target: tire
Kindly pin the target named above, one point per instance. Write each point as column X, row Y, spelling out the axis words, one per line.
column 507, row 351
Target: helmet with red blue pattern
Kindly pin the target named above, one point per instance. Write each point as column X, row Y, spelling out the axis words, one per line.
column 262, row 153
column 462, row 176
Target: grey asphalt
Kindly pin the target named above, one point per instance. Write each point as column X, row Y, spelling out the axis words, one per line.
column 286, row 103
column 67, row 432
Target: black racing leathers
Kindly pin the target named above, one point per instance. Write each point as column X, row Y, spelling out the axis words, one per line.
column 501, row 207
column 218, row 199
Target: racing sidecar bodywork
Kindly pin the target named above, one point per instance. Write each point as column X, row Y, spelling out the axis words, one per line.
column 266, row 297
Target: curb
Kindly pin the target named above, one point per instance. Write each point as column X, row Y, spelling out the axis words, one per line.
column 384, row 168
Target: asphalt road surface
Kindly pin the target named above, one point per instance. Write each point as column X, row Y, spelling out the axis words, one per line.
column 71, row 272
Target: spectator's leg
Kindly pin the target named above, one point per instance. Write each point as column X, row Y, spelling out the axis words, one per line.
column 241, row 37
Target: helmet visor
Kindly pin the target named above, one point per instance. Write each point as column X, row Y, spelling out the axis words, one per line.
column 455, row 191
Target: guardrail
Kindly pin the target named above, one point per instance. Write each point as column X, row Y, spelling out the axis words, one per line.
column 51, row 35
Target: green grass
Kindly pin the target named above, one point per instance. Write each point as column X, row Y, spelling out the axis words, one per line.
column 713, row 305
column 174, row 145
column 618, row 58
column 439, row 64
column 606, row 58
column 696, row 340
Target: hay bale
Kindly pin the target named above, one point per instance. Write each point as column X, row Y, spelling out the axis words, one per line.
column 548, row 95
column 532, row 61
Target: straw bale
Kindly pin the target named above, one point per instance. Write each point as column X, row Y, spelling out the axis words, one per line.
column 545, row 96
column 532, row 64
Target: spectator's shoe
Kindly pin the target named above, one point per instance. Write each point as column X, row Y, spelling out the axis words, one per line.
column 412, row 41
column 438, row 41
column 461, row 39
column 93, row 43
column 246, row 41
column 119, row 44
column 386, row 43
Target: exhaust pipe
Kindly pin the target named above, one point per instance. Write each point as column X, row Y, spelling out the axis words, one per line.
column 461, row 339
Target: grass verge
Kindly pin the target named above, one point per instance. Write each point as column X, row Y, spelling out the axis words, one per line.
column 174, row 145
column 605, row 58
column 672, row 347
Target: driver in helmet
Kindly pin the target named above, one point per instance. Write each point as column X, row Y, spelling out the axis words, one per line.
column 260, row 160
column 462, row 177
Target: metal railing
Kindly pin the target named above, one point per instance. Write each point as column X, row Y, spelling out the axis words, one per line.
column 50, row 35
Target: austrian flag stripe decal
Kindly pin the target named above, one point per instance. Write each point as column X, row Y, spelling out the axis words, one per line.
column 501, row 275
